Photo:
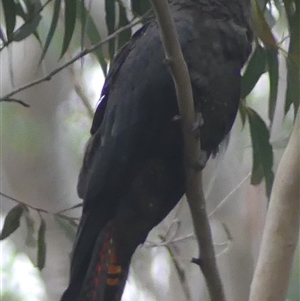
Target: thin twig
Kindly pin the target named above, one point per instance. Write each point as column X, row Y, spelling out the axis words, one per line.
column 74, row 59
column 192, row 150
column 24, row 204
column 21, row 102
column 71, row 208
column 170, row 240
column 39, row 210
column 229, row 195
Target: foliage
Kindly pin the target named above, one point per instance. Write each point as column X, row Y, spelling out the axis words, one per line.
column 23, row 211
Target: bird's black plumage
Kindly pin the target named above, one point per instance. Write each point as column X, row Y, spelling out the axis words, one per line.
column 132, row 174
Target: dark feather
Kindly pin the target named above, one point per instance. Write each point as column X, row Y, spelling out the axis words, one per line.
column 132, row 174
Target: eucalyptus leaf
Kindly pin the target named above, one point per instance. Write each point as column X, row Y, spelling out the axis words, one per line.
column 68, row 226
column 26, row 29
column 243, row 111
column 90, row 29
column 292, row 96
column 41, row 245
column 140, row 7
column 261, row 26
column 76, row 206
column 273, row 70
column 12, row 221
column 255, row 68
column 123, row 21
column 30, row 15
column 56, row 10
column 70, row 21
column 30, row 240
column 262, row 151
column 110, row 18
column 293, row 58
column 9, row 9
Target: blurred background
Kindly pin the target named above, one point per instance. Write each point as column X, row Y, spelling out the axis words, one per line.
column 42, row 148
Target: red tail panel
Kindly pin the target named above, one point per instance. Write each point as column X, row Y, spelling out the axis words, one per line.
column 105, row 278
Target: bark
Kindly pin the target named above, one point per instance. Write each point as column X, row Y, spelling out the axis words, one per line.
column 271, row 277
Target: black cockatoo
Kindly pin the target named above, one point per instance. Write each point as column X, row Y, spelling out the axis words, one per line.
column 132, row 174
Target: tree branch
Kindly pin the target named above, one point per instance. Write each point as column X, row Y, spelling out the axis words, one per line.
column 272, row 273
column 21, row 102
column 192, row 149
column 68, row 63
column 40, row 209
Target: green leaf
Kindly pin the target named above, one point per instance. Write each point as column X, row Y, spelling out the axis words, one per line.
column 273, row 70
column 261, row 26
column 293, row 59
column 26, row 29
column 41, row 247
column 34, row 6
column 30, row 240
column 110, row 18
column 125, row 35
column 30, row 16
column 256, row 67
column 70, row 20
column 12, row 221
column 140, row 7
column 292, row 96
column 68, row 226
column 262, row 151
column 20, row 11
column 83, row 13
column 75, row 206
column 56, row 10
column 90, row 29
column 243, row 111
column 9, row 9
